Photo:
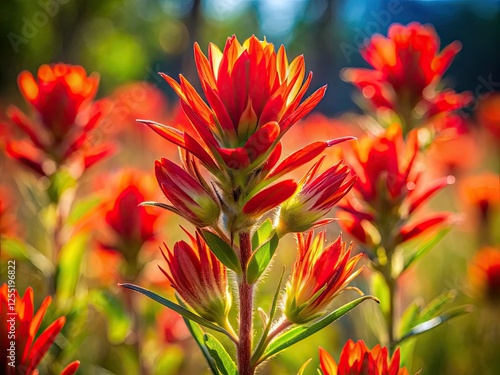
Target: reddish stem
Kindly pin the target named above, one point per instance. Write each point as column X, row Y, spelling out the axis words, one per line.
column 246, row 302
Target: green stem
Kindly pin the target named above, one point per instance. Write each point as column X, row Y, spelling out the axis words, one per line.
column 391, row 315
column 244, row 350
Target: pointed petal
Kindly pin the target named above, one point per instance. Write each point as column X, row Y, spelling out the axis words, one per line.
column 270, row 197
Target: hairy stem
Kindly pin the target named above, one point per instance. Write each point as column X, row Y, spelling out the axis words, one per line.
column 246, row 307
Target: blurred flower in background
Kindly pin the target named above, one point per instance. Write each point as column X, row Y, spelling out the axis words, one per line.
column 484, row 274
column 59, row 134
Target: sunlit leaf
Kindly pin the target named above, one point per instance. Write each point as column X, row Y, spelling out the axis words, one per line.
column 381, row 291
column 260, row 259
column 300, row 333
column 68, row 269
column 225, row 364
column 169, row 361
column 178, row 309
column 198, row 335
column 222, row 251
column 262, row 234
column 434, row 322
column 423, row 247
column 409, row 317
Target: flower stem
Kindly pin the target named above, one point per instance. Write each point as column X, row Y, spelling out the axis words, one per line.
column 246, row 306
column 391, row 314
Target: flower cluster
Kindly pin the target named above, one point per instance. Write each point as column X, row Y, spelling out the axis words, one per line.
column 61, row 97
column 406, row 75
column 389, row 189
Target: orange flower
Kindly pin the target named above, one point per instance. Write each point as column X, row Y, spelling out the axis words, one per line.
column 484, row 273
column 318, row 275
column 407, row 70
column 488, row 114
column 481, row 192
column 199, row 278
column 62, row 97
column 254, row 97
column 21, row 351
column 389, row 184
column 357, row 359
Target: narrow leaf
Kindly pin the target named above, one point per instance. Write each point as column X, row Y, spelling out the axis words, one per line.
column 178, row 309
column 260, row 259
column 300, row 333
column 68, row 269
column 262, row 234
column 198, row 334
column 223, row 360
column 222, row 251
column 434, row 322
column 424, row 247
column 436, row 306
column 410, row 317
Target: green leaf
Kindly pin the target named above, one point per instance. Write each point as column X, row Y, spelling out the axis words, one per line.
column 274, row 305
column 198, row 335
column 381, row 291
column 300, row 333
column 178, row 309
column 410, row 317
column 223, row 360
column 434, row 322
column 111, row 307
column 169, row 361
column 436, row 306
column 68, row 269
column 24, row 251
column 424, row 246
column 222, row 251
column 60, row 182
column 82, row 208
column 262, row 234
column 260, row 259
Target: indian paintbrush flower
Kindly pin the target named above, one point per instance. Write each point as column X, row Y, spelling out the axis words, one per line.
column 484, row 274
column 318, row 275
column 62, row 99
column 18, row 324
column 407, row 71
column 199, row 278
column 316, row 196
column 390, row 189
column 254, row 97
column 357, row 359
column 189, row 197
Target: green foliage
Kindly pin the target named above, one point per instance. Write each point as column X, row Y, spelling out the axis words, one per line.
column 222, row 251
column 116, row 316
column 198, row 335
column 260, row 259
column 223, row 361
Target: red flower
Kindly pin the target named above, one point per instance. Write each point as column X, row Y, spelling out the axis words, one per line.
column 407, row 68
column 318, row 275
column 390, row 187
column 129, row 224
column 357, row 359
column 484, row 273
column 254, row 97
column 62, row 98
column 199, row 278
column 316, row 197
column 190, row 197
column 29, row 348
